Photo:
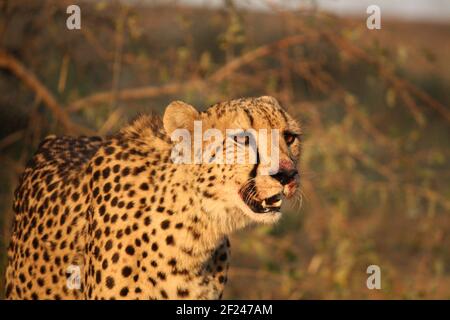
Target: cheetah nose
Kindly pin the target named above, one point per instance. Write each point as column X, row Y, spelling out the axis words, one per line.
column 285, row 176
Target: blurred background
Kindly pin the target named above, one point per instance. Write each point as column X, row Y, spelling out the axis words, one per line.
column 374, row 105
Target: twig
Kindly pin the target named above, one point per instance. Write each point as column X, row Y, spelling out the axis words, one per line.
column 117, row 64
column 11, row 138
column 389, row 75
column 128, row 58
column 10, row 63
column 359, row 53
column 111, row 121
column 132, row 94
column 257, row 53
column 219, row 75
column 63, row 73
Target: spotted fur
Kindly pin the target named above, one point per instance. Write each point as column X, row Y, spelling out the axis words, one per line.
column 138, row 225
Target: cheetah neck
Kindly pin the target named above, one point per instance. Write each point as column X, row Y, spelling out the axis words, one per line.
column 196, row 232
column 200, row 235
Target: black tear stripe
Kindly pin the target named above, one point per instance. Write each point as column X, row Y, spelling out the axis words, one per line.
column 250, row 117
column 283, row 114
column 255, row 167
column 267, row 115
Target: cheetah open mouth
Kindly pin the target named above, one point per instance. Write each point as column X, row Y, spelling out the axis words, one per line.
column 271, row 204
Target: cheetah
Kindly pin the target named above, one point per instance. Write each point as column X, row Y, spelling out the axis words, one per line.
column 136, row 224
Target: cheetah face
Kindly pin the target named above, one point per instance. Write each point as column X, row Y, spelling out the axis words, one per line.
column 250, row 151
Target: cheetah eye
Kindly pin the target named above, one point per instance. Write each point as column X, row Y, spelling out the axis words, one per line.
column 242, row 139
column 290, row 137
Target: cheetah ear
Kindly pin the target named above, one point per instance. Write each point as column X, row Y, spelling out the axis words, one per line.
column 179, row 115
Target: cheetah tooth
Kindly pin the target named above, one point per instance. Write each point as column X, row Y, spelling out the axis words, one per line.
column 263, row 204
column 278, row 203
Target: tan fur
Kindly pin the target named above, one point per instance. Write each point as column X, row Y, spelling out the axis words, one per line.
column 140, row 226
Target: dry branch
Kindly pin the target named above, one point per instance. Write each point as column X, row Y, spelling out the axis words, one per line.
column 10, row 139
column 257, row 53
column 399, row 84
column 359, row 53
column 10, row 63
column 132, row 94
column 171, row 88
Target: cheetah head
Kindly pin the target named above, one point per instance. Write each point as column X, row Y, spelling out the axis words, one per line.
column 236, row 190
